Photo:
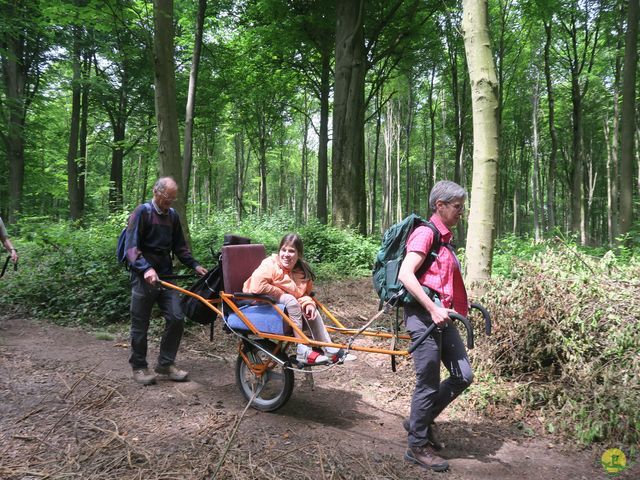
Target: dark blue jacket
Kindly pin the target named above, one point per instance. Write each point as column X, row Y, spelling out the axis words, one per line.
column 151, row 237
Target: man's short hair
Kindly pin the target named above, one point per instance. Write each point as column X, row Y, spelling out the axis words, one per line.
column 162, row 183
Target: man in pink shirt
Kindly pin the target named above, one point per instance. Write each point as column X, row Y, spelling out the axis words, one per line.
column 446, row 293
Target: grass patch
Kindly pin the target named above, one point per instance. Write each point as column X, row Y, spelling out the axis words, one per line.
column 104, row 336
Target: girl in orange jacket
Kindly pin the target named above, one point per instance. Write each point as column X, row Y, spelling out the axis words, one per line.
column 286, row 277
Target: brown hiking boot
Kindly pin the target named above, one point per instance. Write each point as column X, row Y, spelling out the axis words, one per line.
column 173, row 373
column 143, row 376
column 426, row 458
column 432, row 435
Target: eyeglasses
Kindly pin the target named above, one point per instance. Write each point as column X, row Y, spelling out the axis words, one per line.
column 458, row 207
column 167, row 197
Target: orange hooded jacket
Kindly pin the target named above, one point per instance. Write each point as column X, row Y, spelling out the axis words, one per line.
column 270, row 278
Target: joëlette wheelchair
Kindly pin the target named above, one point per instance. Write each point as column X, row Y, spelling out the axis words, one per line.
column 264, row 367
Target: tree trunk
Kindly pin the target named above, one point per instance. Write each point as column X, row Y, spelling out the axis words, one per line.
column 19, row 50
column 577, row 196
column 611, row 181
column 407, row 147
column 583, row 31
column 628, row 118
column 612, row 139
column 165, row 102
column 374, row 174
column 398, row 194
column 458, row 116
column 348, row 172
column 323, row 163
column 72, row 151
column 240, row 173
column 537, row 218
column 431, row 164
column 84, row 131
column 484, row 98
column 187, row 158
column 387, row 216
column 304, row 171
column 262, row 163
column 553, row 161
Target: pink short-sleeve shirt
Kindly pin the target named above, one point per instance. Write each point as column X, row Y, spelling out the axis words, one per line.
column 443, row 275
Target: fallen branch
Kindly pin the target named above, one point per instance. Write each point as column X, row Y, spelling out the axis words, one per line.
column 232, row 436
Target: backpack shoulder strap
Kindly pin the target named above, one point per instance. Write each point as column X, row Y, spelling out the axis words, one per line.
column 437, row 243
column 432, row 254
column 146, row 218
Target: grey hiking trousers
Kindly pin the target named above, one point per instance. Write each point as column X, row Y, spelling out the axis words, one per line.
column 430, row 397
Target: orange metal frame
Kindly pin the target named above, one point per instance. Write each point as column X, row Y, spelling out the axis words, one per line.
column 228, row 299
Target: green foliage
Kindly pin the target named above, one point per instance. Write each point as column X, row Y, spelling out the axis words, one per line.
column 566, row 335
column 69, row 273
column 338, row 253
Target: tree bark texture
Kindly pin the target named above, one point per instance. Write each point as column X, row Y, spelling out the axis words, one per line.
column 84, row 129
column 72, row 151
column 187, row 157
column 553, row 134
column 484, row 101
column 612, row 141
column 628, row 117
column 20, row 52
column 348, row 182
column 165, row 102
column 323, row 157
column 537, row 208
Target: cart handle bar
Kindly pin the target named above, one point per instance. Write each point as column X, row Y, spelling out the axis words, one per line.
column 453, row 316
column 485, row 315
column 6, row 263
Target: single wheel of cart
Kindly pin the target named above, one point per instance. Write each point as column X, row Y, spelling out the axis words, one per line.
column 264, row 374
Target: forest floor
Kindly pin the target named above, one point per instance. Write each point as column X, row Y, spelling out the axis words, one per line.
column 69, row 409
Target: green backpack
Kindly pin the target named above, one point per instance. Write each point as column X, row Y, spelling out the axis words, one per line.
column 390, row 257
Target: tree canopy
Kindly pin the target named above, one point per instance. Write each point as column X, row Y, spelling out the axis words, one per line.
column 343, row 111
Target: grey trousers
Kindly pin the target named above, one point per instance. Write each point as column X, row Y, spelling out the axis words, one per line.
column 316, row 325
column 430, row 397
column 143, row 297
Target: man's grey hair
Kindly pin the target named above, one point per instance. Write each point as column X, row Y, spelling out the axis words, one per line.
column 446, row 191
column 162, row 183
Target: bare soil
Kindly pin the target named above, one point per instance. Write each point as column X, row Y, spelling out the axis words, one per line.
column 69, row 409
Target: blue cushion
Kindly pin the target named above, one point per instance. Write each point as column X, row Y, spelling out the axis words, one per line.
column 264, row 317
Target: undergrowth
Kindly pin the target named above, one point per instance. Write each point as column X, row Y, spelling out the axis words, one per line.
column 565, row 338
column 69, row 273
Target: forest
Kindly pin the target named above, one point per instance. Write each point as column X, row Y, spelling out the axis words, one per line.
column 261, row 94
column 335, row 119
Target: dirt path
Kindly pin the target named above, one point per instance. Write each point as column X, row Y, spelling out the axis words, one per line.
column 69, row 409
